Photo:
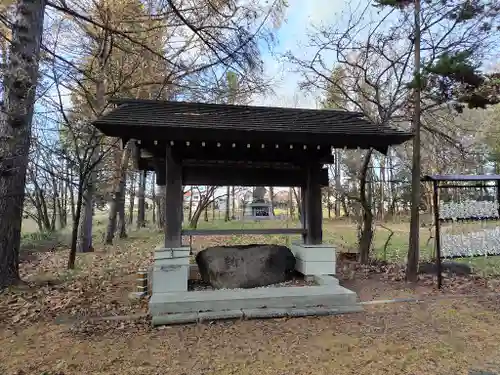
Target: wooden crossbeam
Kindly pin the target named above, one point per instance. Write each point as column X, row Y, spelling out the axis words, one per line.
column 230, row 232
column 244, row 151
column 234, row 176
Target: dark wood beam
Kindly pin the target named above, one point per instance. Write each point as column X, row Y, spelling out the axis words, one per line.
column 230, row 232
column 303, row 210
column 313, row 206
column 378, row 140
column 173, row 201
column 234, row 176
column 136, row 155
column 242, row 151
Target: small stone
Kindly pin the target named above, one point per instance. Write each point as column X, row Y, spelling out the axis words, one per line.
column 135, row 296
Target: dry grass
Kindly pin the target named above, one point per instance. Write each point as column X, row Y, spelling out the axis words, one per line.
column 442, row 337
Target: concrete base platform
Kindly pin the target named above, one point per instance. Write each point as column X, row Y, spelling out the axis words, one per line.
column 324, row 299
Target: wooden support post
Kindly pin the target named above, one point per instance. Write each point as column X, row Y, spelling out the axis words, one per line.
column 173, row 200
column 314, row 208
column 437, row 235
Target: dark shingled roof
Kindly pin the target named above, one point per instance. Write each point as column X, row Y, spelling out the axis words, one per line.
column 164, row 120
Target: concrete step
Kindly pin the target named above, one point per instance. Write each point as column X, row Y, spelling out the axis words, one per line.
column 257, row 298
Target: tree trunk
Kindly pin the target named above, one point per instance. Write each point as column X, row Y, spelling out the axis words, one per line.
column 392, row 198
column 203, row 204
column 118, row 197
column 299, row 203
column 381, row 205
column 74, row 231
column 271, row 198
column 89, row 172
column 228, row 203
column 122, row 219
column 190, row 215
column 85, row 231
column 153, row 197
column 64, row 200
column 61, row 198
column 55, row 202
column 193, row 223
column 328, row 203
column 71, row 192
column 345, row 206
column 131, row 201
column 161, row 206
column 118, row 156
column 20, row 84
column 338, row 196
column 233, row 204
column 290, row 203
column 413, row 248
column 141, row 201
column 366, row 238
column 90, row 176
column 38, row 199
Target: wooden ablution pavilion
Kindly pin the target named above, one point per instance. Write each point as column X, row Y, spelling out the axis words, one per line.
column 236, row 145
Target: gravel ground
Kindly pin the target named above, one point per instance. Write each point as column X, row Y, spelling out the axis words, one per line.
column 198, row 285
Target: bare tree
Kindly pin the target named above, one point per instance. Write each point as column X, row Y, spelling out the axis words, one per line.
column 141, row 200
column 376, row 58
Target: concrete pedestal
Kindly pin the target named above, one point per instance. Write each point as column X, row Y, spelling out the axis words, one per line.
column 258, row 211
column 171, row 270
column 314, row 259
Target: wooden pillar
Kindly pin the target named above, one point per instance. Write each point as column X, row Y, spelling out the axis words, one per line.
column 313, row 206
column 173, row 200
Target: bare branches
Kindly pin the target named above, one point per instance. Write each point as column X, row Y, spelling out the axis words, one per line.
column 374, row 52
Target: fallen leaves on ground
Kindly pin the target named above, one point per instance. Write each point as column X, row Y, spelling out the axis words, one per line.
column 446, row 337
column 452, row 335
column 102, row 280
column 99, row 285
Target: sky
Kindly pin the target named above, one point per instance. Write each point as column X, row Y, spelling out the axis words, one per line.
column 292, row 36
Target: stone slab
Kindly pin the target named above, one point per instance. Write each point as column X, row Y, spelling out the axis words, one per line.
column 171, row 261
column 170, row 278
column 326, row 280
column 265, row 313
column 172, row 319
column 234, row 299
column 314, row 253
column 171, row 253
column 219, row 315
column 299, row 312
column 315, row 268
column 268, row 313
